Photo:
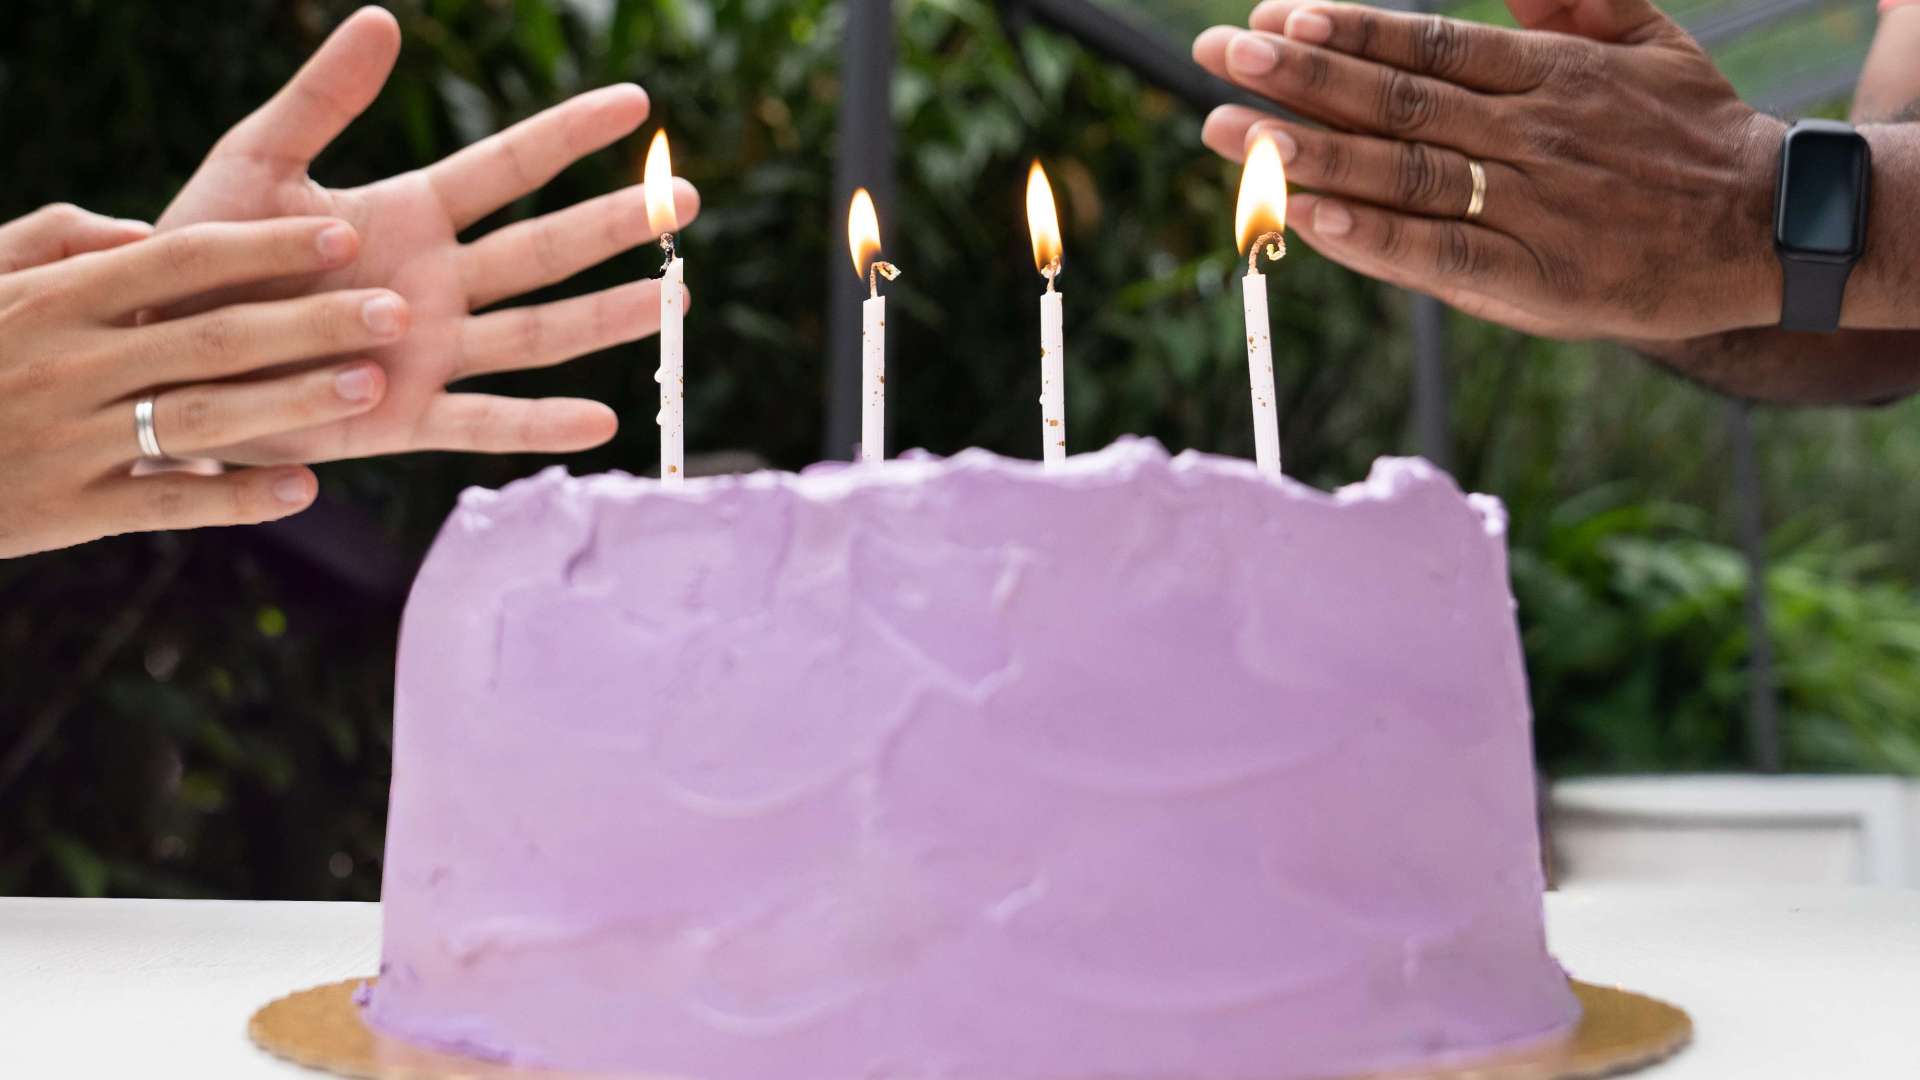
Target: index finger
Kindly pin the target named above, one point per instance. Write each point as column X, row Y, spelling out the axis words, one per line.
column 200, row 259
column 1468, row 54
column 1355, row 94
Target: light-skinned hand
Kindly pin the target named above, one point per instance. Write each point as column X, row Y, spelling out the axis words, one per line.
column 75, row 356
column 409, row 225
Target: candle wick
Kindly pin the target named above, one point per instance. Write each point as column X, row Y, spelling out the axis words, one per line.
column 666, row 245
column 1052, row 271
column 1276, row 245
column 875, row 272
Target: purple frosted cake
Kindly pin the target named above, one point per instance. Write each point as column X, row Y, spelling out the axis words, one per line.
column 966, row 770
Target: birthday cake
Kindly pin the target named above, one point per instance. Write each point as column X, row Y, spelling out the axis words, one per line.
column 966, row 769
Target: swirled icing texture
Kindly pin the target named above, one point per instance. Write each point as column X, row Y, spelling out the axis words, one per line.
column 963, row 770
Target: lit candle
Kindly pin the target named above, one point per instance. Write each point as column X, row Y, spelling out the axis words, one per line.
column 658, row 178
column 1261, row 219
column 863, row 240
column 1043, row 222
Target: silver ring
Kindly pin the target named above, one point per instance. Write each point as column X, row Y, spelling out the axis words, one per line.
column 1478, row 200
column 143, row 430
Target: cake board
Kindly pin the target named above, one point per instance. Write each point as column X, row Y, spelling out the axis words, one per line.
column 1619, row 1032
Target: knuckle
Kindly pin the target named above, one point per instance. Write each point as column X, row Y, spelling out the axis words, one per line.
column 1393, row 238
column 41, row 374
column 62, row 214
column 1318, row 70
column 1406, row 104
column 167, row 505
column 530, row 336
column 243, row 502
column 605, row 322
column 215, row 335
column 315, row 401
column 514, row 161
column 1454, row 251
column 1417, row 180
column 1366, row 27
column 1336, row 159
column 546, row 250
column 192, row 416
column 481, row 423
column 187, row 253
column 1440, row 47
column 335, row 322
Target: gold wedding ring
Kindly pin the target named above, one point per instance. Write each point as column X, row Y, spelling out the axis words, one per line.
column 143, row 432
column 1478, row 200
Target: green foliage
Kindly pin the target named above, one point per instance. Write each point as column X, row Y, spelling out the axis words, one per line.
column 1637, row 643
column 208, row 714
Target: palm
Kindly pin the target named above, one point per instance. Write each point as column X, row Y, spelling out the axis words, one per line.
column 409, row 227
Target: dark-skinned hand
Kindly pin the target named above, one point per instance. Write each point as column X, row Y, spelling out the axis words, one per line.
column 1629, row 189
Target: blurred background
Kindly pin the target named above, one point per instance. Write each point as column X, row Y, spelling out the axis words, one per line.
column 208, row 714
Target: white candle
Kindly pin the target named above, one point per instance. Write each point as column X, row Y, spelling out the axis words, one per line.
column 672, row 374
column 863, row 242
column 665, row 220
column 1260, row 221
column 1266, row 424
column 1053, row 380
column 1043, row 224
column 873, row 379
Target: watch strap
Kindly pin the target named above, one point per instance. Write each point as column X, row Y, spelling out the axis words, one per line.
column 1812, row 292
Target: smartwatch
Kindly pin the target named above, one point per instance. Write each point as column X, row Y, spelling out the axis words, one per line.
column 1819, row 220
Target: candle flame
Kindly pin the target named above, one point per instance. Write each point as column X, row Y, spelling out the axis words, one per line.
column 863, row 232
column 1043, row 220
column 658, row 177
column 1263, row 194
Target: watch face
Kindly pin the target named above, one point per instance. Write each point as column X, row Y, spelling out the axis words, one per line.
column 1821, row 212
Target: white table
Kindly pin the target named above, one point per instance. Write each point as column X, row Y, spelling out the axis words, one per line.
column 1782, row 985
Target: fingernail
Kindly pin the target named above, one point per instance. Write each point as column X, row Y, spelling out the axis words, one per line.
column 382, row 315
column 1309, row 26
column 291, row 489
column 1332, row 219
column 354, row 384
column 686, row 298
column 1251, row 54
column 335, row 243
column 1282, row 142
column 136, row 225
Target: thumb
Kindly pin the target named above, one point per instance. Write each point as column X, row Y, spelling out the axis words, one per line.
column 325, row 95
column 1623, row 21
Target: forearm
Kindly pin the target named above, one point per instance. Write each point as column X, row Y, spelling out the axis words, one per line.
column 1876, row 356
column 1852, row 367
column 1889, row 91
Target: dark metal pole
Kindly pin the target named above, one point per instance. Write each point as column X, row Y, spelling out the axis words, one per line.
column 1430, row 427
column 863, row 158
column 1763, row 719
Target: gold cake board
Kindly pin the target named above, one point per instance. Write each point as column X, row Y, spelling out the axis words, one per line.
column 320, row 1028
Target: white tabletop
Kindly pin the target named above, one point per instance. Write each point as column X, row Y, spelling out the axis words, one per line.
column 1782, row 985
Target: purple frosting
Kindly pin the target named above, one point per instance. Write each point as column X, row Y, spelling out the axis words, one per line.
column 962, row 769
